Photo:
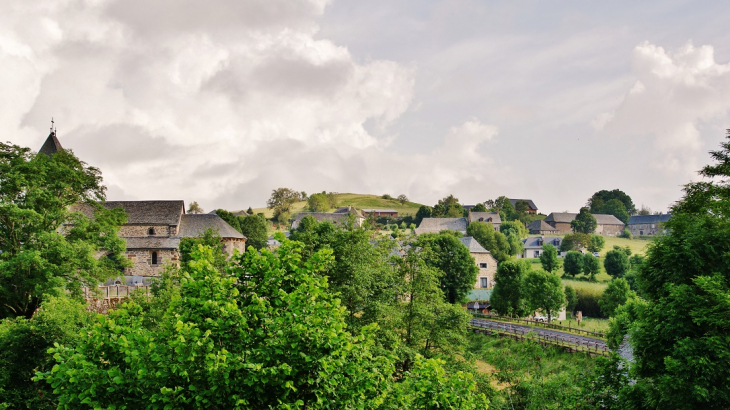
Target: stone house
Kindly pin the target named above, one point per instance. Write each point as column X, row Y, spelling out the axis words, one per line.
column 531, row 207
column 153, row 232
column 641, row 225
column 533, row 245
column 491, row 217
column 340, row 216
column 540, row 227
column 607, row 225
column 485, row 262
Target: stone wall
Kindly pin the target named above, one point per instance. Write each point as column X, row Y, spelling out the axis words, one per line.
column 562, row 227
column 230, row 245
column 142, row 261
column 609, row 230
column 142, row 231
column 645, row 229
column 489, row 272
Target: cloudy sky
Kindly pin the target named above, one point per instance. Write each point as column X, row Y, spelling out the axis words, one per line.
column 224, row 100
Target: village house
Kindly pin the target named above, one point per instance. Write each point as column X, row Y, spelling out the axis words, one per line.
column 607, row 225
column 640, row 225
column 339, row 217
column 491, row 217
column 485, row 262
column 533, row 245
column 531, row 207
column 540, row 227
column 436, row 225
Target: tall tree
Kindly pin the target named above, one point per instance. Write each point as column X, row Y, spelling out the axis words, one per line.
column 194, row 208
column 507, row 296
column 600, row 198
column 549, row 258
column 254, row 227
column 45, row 247
column 458, row 270
column 544, row 291
column 616, row 263
column 573, row 263
column 282, row 199
column 584, row 222
column 423, row 212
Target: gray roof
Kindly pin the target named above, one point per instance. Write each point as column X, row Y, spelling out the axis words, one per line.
column 475, row 216
column 568, row 217
column 648, row 219
column 150, row 212
column 540, row 225
column 367, row 211
column 436, row 225
column 193, row 225
column 531, row 242
column 152, row 242
column 529, row 202
column 52, row 145
column 473, row 245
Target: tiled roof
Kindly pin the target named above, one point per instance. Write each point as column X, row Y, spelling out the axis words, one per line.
column 52, row 145
column 475, row 216
column 648, row 219
column 192, row 225
column 150, row 212
column 473, row 245
column 436, row 225
column 152, row 242
column 529, row 202
column 532, row 242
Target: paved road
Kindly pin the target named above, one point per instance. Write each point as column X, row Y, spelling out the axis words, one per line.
column 523, row 330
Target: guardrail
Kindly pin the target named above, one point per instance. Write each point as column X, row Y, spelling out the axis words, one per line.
column 573, row 344
column 542, row 324
column 112, row 292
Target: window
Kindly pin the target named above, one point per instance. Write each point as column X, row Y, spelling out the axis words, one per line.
column 151, row 232
column 537, row 254
column 154, row 258
column 484, row 282
column 482, row 266
column 539, row 241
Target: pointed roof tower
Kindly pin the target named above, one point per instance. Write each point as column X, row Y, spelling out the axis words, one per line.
column 52, row 145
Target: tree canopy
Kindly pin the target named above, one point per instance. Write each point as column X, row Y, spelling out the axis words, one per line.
column 598, row 200
column 458, row 270
column 507, row 296
column 282, row 199
column 491, row 240
column 584, row 222
column 543, row 291
column 573, row 263
column 549, row 258
column 616, row 263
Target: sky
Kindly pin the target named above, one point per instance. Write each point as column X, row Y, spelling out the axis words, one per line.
column 222, row 101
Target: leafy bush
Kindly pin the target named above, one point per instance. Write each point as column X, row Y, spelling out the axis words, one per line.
column 625, row 234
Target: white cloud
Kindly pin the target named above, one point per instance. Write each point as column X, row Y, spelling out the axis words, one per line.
column 675, row 93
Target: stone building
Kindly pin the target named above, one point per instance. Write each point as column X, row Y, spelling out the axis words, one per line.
column 541, row 227
column 641, row 225
column 153, row 232
column 491, row 217
column 607, row 225
column 485, row 262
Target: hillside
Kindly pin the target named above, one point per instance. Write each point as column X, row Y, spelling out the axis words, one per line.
column 359, row 201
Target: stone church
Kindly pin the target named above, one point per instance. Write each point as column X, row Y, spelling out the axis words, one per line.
column 154, row 229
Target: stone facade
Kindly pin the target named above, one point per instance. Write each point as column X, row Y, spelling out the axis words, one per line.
column 645, row 225
column 487, row 270
column 142, row 261
column 143, row 231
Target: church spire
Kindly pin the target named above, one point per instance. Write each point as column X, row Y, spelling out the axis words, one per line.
column 51, row 146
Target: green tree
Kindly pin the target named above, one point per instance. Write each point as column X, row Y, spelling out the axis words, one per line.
column 23, row 346
column 402, row 198
column 507, row 296
column 616, row 263
column 516, row 246
column 575, row 242
column 45, row 247
column 513, row 227
column 494, row 242
column 591, row 266
column 458, row 269
column 549, row 258
column 571, row 298
column 597, row 201
column 544, row 291
column 318, row 203
column 194, row 208
column 423, row 212
column 281, row 201
column 584, row 222
column 616, row 294
column 479, row 208
column 616, row 208
column 229, row 218
column 573, row 263
column 254, row 228
column 597, row 242
column 209, row 238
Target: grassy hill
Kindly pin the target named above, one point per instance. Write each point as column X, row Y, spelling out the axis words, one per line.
column 359, row 201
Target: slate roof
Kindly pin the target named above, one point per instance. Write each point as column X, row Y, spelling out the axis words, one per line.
column 539, row 225
column 150, row 212
column 475, row 216
column 193, row 225
column 436, row 225
column 473, row 245
column 152, row 242
column 529, row 202
column 568, row 217
column 52, row 145
column 531, row 242
column 648, row 219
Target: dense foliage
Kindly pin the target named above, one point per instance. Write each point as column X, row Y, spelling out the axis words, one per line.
column 458, row 271
column 549, row 258
column 543, row 291
column 573, row 263
column 584, row 222
column 508, row 297
column 614, row 202
column 490, row 239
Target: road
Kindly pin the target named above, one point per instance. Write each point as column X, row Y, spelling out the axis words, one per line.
column 552, row 334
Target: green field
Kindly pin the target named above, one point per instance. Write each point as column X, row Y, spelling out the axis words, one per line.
column 359, row 201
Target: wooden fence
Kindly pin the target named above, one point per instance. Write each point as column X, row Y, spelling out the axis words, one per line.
column 542, row 324
column 112, row 292
column 570, row 343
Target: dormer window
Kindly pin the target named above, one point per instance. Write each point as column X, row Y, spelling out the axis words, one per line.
column 489, row 220
column 539, row 241
column 481, row 219
column 151, row 232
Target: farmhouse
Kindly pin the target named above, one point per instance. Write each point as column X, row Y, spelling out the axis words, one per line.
column 485, row 262
column 641, row 225
column 541, row 227
column 607, row 225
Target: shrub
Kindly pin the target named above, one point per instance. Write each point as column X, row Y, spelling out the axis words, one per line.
column 625, row 234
